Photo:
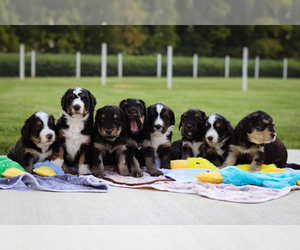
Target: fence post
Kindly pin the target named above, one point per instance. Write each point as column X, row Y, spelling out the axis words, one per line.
column 195, row 69
column 78, row 65
column 245, row 68
column 33, row 71
column 227, row 65
column 256, row 72
column 103, row 63
column 22, row 62
column 169, row 67
column 285, row 68
column 158, row 70
column 120, row 65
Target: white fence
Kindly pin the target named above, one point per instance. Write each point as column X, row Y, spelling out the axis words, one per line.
column 159, row 66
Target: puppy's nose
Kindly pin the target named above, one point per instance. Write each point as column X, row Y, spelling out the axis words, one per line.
column 158, row 126
column 188, row 126
column 76, row 107
column 210, row 138
column 132, row 112
column 108, row 131
column 273, row 135
column 49, row 136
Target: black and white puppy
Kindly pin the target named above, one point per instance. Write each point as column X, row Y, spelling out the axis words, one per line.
column 217, row 135
column 255, row 142
column 36, row 142
column 161, row 123
column 192, row 143
column 109, row 140
column 139, row 138
column 74, row 129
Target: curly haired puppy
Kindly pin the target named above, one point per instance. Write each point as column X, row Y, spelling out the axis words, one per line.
column 36, row 142
column 255, row 142
column 139, row 138
column 217, row 135
column 191, row 144
column 74, row 129
column 161, row 123
column 109, row 140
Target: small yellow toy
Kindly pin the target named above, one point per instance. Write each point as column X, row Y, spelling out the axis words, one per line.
column 44, row 171
column 193, row 163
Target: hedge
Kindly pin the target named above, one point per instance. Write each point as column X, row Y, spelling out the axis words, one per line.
column 64, row 65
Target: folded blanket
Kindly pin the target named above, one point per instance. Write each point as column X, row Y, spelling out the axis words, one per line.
column 57, row 183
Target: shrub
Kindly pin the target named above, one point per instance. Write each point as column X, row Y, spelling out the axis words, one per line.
column 64, row 65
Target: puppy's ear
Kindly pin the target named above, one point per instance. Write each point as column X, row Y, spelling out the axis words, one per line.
column 203, row 116
column 123, row 119
column 180, row 124
column 144, row 108
column 121, row 104
column 64, row 100
column 246, row 124
column 93, row 100
column 25, row 131
column 172, row 117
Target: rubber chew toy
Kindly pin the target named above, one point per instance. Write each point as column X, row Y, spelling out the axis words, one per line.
column 193, row 163
column 238, row 177
column 10, row 168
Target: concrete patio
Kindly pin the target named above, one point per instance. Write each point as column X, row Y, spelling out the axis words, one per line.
column 145, row 218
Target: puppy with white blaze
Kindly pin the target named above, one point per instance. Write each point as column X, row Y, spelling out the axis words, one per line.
column 161, row 124
column 74, row 129
column 36, row 142
column 217, row 135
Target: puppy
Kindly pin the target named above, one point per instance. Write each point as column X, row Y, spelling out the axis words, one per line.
column 139, row 138
column 161, row 123
column 36, row 142
column 217, row 135
column 255, row 142
column 191, row 144
column 109, row 140
column 74, row 129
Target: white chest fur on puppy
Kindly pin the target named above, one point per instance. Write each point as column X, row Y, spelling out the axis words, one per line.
column 158, row 139
column 74, row 139
column 195, row 146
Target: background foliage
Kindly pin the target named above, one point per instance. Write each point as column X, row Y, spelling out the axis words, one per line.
column 266, row 41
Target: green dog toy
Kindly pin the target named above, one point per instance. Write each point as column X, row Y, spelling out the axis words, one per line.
column 9, row 168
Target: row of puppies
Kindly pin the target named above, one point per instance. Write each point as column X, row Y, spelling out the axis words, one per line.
column 131, row 135
column 119, row 135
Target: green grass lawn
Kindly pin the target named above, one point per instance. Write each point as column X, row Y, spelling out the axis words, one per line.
column 281, row 99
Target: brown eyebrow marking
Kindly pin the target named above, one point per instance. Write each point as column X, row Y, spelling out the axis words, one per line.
column 102, row 116
column 39, row 123
column 115, row 116
column 197, row 115
column 218, row 124
column 266, row 121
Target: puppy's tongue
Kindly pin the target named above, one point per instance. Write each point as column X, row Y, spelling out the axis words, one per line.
column 133, row 126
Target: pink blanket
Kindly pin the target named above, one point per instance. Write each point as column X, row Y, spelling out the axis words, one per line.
column 225, row 192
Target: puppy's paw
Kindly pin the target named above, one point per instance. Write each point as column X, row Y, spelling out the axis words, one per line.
column 155, row 172
column 84, row 170
column 136, row 173
column 58, row 162
column 124, row 172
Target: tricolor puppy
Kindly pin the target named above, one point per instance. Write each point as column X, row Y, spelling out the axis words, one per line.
column 191, row 144
column 74, row 129
column 35, row 144
column 109, row 140
column 255, row 142
column 217, row 135
column 161, row 123
column 139, row 138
